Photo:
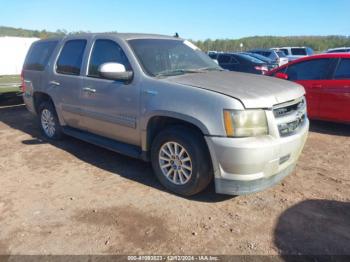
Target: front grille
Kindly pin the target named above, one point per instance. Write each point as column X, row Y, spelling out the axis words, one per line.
column 287, row 129
column 290, row 116
column 289, row 109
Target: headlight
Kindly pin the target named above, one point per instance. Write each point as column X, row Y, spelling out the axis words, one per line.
column 245, row 123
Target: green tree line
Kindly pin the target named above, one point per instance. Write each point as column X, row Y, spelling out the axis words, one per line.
column 318, row 43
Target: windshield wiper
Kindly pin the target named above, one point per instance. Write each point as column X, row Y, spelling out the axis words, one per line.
column 176, row 72
column 186, row 71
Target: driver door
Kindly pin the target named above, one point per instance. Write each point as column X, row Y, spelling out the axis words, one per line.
column 110, row 108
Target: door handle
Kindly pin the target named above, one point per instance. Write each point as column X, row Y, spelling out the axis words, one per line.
column 55, row 83
column 316, row 86
column 89, row 90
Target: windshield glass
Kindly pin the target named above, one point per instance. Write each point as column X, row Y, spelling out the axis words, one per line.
column 165, row 57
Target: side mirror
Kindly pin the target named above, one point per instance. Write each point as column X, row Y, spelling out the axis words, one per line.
column 282, row 76
column 115, row 71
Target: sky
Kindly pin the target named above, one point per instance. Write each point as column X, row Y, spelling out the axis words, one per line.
column 194, row 19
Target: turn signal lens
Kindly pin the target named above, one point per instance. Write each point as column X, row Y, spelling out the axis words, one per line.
column 228, row 123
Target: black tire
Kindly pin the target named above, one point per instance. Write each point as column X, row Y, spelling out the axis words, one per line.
column 57, row 134
column 194, row 143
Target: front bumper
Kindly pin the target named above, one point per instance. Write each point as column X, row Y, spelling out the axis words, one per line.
column 247, row 165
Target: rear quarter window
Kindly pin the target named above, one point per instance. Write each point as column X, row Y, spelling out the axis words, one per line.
column 39, row 55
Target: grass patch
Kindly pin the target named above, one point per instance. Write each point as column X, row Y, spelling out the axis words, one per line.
column 10, row 84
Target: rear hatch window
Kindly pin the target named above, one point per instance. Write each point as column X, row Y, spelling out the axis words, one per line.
column 39, row 55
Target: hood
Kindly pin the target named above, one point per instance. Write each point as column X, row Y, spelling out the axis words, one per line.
column 253, row 91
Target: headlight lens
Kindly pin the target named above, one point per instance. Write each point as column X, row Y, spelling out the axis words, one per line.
column 245, row 123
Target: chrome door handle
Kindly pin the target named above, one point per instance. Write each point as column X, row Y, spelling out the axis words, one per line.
column 89, row 90
column 55, row 83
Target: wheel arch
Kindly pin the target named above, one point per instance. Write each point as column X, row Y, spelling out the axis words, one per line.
column 157, row 122
column 38, row 98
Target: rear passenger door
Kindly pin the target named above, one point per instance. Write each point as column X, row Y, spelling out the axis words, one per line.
column 110, row 108
column 335, row 95
column 66, row 81
column 313, row 75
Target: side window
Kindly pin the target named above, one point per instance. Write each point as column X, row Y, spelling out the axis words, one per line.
column 39, row 55
column 234, row 60
column 309, row 70
column 285, row 51
column 343, row 70
column 71, row 57
column 105, row 51
column 224, row 59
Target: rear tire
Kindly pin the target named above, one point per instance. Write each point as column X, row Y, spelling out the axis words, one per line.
column 181, row 160
column 49, row 122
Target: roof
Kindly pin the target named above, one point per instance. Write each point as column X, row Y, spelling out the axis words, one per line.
column 124, row 36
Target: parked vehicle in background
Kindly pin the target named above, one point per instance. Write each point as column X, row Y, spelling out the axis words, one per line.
column 161, row 99
column 277, row 56
column 339, row 50
column 240, row 62
column 326, row 79
column 270, row 63
column 213, row 54
column 294, row 53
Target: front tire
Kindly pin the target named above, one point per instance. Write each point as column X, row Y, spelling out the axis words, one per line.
column 181, row 161
column 49, row 122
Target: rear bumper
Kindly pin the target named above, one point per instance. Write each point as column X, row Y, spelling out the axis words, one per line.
column 247, row 165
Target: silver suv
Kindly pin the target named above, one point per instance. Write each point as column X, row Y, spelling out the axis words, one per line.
column 161, row 99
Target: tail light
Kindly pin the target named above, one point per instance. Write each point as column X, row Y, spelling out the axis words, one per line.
column 23, row 84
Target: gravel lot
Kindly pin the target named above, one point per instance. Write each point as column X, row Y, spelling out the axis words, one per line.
column 71, row 197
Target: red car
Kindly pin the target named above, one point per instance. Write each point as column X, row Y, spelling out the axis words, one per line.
column 326, row 79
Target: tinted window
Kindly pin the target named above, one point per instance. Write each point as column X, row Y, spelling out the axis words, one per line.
column 309, row 70
column 250, row 59
column 299, row 51
column 106, row 51
column 281, row 54
column 234, row 60
column 343, row 70
column 224, row 59
column 39, row 55
column 285, row 51
column 71, row 57
column 213, row 56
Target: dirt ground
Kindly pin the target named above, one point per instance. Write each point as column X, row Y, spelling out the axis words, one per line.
column 71, row 197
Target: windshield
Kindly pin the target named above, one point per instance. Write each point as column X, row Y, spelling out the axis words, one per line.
column 166, row 57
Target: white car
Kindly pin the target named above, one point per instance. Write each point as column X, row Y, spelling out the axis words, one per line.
column 277, row 56
column 294, row 53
